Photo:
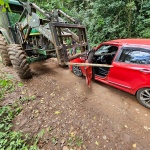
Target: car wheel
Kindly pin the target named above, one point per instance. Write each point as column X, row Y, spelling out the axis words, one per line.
column 143, row 96
column 77, row 71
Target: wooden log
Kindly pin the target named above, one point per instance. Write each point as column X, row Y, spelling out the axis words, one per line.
column 88, row 64
column 77, row 55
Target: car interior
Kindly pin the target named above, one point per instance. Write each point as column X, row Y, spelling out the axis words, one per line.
column 104, row 55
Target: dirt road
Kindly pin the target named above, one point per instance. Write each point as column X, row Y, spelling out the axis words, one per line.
column 76, row 117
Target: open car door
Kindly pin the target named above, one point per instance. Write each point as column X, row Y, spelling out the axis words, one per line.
column 88, row 74
column 88, row 69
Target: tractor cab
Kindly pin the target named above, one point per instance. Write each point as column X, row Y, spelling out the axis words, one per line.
column 8, row 18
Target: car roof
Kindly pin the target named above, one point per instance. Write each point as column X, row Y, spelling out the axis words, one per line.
column 130, row 41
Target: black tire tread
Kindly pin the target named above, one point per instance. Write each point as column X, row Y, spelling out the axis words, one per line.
column 3, row 51
column 19, row 61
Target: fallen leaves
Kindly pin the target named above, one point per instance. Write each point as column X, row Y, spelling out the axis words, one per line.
column 134, row 145
column 97, row 143
column 104, row 137
column 72, row 134
column 54, row 141
column 146, row 128
column 52, row 94
column 68, row 127
column 65, row 148
column 94, row 118
column 57, row 112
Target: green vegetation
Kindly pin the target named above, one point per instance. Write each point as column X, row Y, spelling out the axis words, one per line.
column 6, row 85
column 10, row 139
column 109, row 19
column 4, row 4
column 105, row 20
column 75, row 141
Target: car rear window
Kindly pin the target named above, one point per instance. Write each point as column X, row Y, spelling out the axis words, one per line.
column 135, row 55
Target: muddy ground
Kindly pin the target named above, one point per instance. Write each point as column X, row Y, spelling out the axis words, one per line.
column 73, row 116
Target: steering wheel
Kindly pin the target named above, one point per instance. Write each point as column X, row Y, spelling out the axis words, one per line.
column 103, row 59
column 107, row 59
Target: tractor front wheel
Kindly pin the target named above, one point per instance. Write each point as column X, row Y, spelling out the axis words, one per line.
column 3, row 51
column 19, row 61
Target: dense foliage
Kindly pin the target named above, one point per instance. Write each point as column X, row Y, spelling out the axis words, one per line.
column 4, row 4
column 109, row 19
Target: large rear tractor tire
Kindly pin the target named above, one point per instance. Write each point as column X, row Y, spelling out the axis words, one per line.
column 19, row 61
column 3, row 51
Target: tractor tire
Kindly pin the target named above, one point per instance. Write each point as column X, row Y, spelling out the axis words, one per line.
column 19, row 61
column 3, row 51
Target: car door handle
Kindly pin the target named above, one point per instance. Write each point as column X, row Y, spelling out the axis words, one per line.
column 147, row 71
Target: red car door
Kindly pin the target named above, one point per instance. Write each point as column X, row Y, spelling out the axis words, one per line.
column 88, row 74
column 88, row 69
column 131, row 69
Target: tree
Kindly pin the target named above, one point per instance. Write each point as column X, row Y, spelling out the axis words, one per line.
column 104, row 20
column 4, row 5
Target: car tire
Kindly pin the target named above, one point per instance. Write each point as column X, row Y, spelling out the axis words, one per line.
column 3, row 51
column 77, row 71
column 143, row 96
column 19, row 61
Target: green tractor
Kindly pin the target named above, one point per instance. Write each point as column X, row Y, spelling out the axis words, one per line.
column 7, row 34
column 28, row 34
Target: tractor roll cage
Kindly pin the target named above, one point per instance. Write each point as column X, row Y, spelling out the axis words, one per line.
column 54, row 28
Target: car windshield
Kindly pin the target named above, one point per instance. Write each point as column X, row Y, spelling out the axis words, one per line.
column 106, row 49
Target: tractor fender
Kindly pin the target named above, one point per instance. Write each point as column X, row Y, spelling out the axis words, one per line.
column 5, row 33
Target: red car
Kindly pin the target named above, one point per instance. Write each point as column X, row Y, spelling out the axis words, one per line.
column 130, row 71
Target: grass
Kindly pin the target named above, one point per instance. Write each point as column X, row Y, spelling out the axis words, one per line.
column 10, row 139
column 6, row 85
column 75, row 141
